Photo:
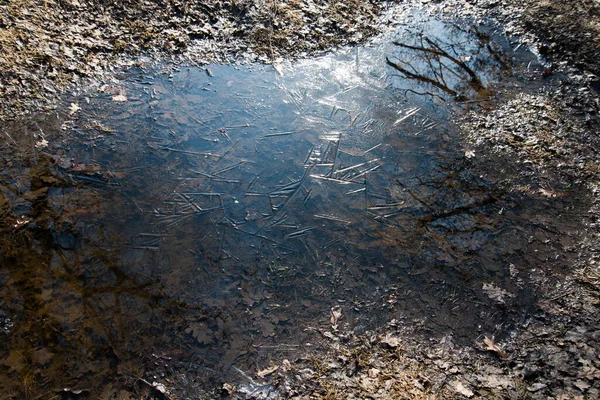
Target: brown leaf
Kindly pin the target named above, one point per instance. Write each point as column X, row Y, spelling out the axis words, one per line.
column 582, row 385
column 201, row 333
column 87, row 168
column 491, row 346
column 267, row 329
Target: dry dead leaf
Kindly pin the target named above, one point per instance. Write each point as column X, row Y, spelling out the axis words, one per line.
column 373, row 373
column 119, row 98
column 86, row 168
column 21, row 222
column 336, row 314
column 536, row 387
column 267, row 371
column 460, row 388
column 391, row 340
column 228, row 387
column 368, row 384
column 590, row 373
column 495, row 293
column 496, row 381
column 73, row 108
column 548, row 193
column 582, row 385
column 201, row 333
column 267, row 328
column 286, row 365
column 160, row 387
column 491, row 346
column 329, row 335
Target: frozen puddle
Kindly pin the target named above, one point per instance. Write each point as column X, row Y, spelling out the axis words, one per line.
column 220, row 217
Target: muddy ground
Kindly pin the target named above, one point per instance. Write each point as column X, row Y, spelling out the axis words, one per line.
column 547, row 141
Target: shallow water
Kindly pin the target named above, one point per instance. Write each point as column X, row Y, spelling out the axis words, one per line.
column 215, row 217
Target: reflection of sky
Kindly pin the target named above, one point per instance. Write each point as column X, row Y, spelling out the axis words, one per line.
column 320, row 141
column 293, row 167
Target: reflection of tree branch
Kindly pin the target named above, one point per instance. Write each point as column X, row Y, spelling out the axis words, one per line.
column 457, row 210
column 485, row 39
column 438, row 72
column 423, row 94
column 424, row 79
column 453, row 72
column 417, row 198
column 436, row 50
column 455, row 60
